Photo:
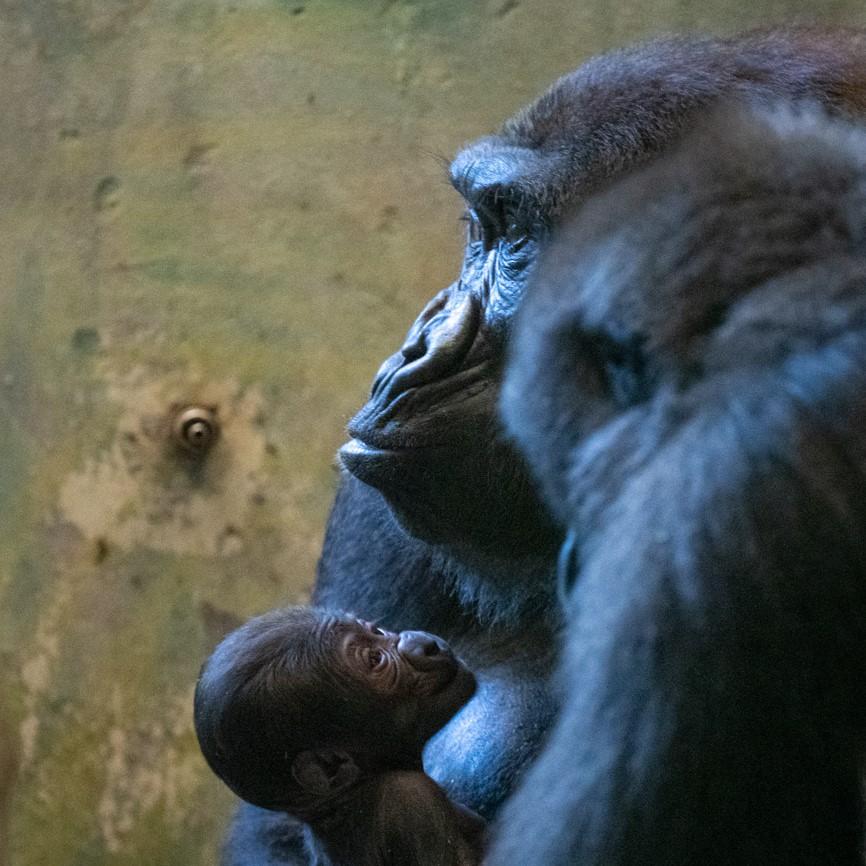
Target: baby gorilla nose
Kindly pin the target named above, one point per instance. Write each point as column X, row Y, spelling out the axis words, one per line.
column 424, row 651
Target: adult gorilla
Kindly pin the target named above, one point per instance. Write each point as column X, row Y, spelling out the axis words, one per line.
column 437, row 524
column 689, row 384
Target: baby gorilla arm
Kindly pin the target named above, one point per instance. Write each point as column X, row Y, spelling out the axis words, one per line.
column 418, row 824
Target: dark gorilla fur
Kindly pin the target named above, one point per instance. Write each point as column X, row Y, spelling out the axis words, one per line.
column 437, row 524
column 688, row 382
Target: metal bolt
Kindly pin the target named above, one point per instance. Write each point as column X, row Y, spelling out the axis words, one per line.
column 195, row 429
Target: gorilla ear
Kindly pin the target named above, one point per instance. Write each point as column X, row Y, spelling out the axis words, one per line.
column 324, row 771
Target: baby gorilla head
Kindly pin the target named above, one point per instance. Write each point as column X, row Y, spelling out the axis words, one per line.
column 299, row 704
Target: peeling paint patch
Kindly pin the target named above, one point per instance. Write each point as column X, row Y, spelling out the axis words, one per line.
column 36, row 671
column 145, row 770
column 28, row 732
column 8, row 774
column 140, row 492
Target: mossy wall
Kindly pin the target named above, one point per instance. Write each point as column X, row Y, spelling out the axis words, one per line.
column 241, row 203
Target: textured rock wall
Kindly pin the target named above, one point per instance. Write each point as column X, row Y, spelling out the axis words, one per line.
column 242, row 203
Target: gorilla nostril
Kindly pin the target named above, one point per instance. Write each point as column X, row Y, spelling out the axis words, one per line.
column 426, row 648
column 412, row 350
column 422, row 649
column 436, row 347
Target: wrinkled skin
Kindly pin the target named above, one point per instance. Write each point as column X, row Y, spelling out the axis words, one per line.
column 438, row 524
column 691, row 391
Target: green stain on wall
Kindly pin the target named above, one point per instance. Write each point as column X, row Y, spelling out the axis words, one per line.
column 236, row 202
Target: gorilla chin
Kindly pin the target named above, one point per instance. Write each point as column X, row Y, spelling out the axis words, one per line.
column 436, row 494
column 450, row 698
column 402, row 476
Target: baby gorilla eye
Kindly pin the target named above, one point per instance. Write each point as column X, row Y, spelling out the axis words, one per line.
column 376, row 659
column 372, row 628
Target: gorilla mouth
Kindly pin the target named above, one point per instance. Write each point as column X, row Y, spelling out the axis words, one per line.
column 434, row 682
column 453, row 688
column 404, row 476
column 461, row 686
column 358, row 448
column 362, row 459
column 378, row 466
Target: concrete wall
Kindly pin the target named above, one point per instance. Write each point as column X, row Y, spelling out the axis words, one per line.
column 238, row 202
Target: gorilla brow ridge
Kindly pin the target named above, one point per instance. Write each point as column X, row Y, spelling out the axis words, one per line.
column 521, row 205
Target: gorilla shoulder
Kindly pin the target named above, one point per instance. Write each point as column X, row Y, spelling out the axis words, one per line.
column 688, row 381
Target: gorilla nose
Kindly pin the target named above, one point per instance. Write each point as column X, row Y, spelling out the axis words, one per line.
column 436, row 345
column 423, row 651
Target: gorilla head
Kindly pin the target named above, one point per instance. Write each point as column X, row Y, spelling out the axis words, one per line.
column 428, row 439
column 688, row 381
column 673, row 277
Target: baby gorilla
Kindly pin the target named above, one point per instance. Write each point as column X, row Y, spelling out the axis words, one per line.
column 324, row 716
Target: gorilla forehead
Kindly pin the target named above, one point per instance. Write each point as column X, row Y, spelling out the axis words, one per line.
column 621, row 108
column 489, row 162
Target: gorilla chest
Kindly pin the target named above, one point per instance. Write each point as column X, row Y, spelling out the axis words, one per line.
column 478, row 756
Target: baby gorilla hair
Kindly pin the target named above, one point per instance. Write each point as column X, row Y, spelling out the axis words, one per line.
column 256, row 696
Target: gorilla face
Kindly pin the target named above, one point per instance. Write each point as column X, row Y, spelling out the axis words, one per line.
column 428, row 438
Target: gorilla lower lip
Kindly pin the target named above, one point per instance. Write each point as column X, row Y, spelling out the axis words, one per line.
column 355, row 453
column 462, row 680
column 374, row 466
column 355, row 447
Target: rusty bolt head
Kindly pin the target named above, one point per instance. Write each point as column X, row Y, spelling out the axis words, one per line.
column 195, row 429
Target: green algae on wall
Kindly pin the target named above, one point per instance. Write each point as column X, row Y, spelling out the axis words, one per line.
column 238, row 203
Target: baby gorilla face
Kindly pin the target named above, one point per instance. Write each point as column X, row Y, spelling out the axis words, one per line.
column 414, row 676
column 298, row 704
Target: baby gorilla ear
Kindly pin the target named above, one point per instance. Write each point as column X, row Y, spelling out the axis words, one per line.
column 323, row 772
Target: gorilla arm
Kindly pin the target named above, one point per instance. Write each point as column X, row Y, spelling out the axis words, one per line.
column 419, row 825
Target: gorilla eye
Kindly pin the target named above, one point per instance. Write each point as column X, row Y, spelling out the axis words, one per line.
column 372, row 628
column 475, row 231
column 518, row 240
column 491, row 221
column 375, row 659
